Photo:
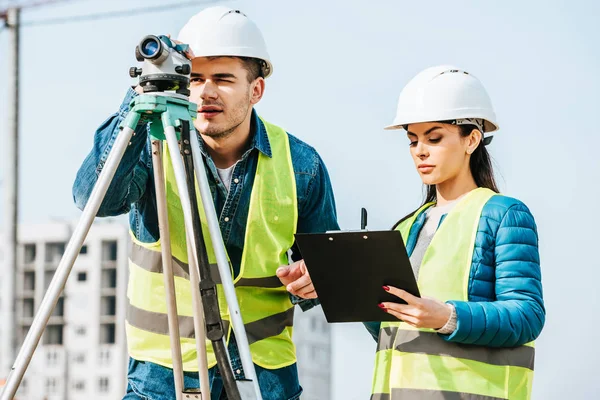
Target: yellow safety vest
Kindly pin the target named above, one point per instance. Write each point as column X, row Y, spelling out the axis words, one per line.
column 416, row 363
column 264, row 303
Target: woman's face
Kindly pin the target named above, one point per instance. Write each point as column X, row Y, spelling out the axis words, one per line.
column 439, row 151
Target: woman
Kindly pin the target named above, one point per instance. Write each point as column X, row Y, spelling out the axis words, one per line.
column 474, row 252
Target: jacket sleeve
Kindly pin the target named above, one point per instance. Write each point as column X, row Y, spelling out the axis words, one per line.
column 316, row 210
column 517, row 315
column 130, row 179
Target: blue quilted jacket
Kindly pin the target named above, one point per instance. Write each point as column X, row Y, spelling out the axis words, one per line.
column 506, row 306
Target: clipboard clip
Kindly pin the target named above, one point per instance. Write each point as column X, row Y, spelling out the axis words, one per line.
column 363, row 223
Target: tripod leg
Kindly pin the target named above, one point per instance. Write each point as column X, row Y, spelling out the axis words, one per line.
column 63, row 270
column 179, row 171
column 223, row 265
column 163, row 225
column 195, row 276
column 199, row 331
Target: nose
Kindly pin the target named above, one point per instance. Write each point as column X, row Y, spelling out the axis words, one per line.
column 208, row 91
column 421, row 150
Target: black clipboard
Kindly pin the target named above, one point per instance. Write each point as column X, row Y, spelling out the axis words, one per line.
column 349, row 270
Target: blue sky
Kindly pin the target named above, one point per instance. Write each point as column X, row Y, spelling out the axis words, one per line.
column 338, row 69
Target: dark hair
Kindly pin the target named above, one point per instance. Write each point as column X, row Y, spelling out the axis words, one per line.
column 481, row 169
column 253, row 67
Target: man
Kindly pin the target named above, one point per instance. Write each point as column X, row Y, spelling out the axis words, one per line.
column 258, row 173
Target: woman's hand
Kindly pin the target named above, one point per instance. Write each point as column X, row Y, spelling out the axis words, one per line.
column 423, row 312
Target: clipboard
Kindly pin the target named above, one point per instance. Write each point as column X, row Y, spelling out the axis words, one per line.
column 349, row 268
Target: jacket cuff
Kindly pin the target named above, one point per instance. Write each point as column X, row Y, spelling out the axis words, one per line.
column 129, row 96
column 463, row 322
column 305, row 304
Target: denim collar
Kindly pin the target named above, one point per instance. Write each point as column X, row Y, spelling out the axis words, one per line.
column 261, row 139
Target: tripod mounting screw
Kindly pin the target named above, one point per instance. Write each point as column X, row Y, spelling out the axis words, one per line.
column 184, row 69
column 135, row 72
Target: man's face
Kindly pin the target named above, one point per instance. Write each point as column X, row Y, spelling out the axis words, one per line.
column 220, row 87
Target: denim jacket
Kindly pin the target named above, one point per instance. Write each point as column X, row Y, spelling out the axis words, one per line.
column 132, row 189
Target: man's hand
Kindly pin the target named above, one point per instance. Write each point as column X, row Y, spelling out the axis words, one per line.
column 423, row 312
column 296, row 279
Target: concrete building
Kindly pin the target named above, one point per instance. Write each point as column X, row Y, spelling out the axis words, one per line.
column 313, row 339
column 82, row 354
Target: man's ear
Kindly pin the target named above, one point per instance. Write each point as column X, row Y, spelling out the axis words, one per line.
column 258, row 90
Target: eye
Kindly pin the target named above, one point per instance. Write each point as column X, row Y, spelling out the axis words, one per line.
column 196, row 80
column 435, row 140
column 413, row 143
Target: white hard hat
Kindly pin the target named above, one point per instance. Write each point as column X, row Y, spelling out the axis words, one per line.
column 223, row 31
column 445, row 93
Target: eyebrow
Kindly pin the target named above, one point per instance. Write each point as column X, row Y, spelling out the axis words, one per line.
column 426, row 133
column 219, row 75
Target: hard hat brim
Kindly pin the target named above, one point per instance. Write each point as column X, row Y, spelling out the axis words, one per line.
column 488, row 126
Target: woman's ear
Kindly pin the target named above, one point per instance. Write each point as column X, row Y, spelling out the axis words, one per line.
column 473, row 141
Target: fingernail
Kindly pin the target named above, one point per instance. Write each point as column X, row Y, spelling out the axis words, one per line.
column 382, row 306
column 386, row 288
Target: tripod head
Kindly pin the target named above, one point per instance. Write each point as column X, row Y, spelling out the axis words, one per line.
column 165, row 65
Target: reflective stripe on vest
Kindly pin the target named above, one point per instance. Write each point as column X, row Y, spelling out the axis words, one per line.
column 416, row 363
column 264, row 303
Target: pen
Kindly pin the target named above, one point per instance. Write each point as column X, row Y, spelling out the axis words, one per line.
column 363, row 218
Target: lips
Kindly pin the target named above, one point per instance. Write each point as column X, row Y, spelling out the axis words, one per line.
column 425, row 168
column 210, row 111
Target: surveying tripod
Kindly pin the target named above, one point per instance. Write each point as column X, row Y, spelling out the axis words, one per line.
column 170, row 116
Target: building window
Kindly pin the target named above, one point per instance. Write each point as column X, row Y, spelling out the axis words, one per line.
column 109, row 251
column 51, row 358
column 48, row 275
column 80, row 331
column 109, row 278
column 51, row 386
column 318, row 324
column 82, row 276
column 59, row 310
column 22, row 390
column 108, row 306
column 54, row 334
column 104, row 357
column 29, row 256
column 24, row 331
column 54, row 252
column 83, row 249
column 28, row 308
column 103, row 385
column 29, row 280
column 107, row 333
column 79, row 386
column 79, row 358
column 319, row 355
